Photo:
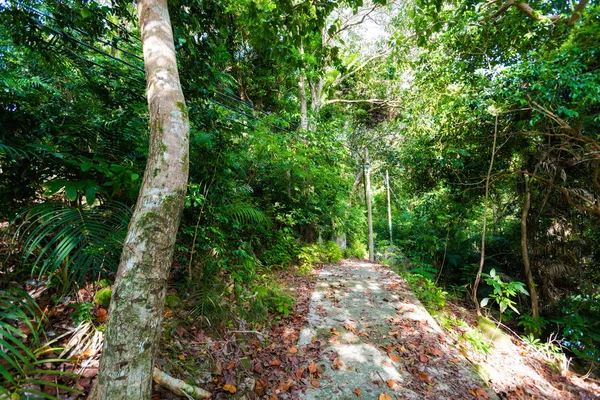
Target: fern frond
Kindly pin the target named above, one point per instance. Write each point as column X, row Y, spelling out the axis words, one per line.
column 244, row 213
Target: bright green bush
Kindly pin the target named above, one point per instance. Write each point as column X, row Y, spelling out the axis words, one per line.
column 356, row 249
column 426, row 290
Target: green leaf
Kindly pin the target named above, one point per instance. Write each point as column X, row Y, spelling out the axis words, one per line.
column 90, row 194
column 71, row 191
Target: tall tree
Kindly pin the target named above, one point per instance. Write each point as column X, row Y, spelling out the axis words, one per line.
column 135, row 314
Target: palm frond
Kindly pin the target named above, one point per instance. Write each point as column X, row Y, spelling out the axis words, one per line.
column 80, row 239
column 19, row 352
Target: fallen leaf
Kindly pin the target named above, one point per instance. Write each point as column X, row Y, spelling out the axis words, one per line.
column 333, row 339
column 261, row 387
column 423, row 377
column 337, row 364
column 181, row 357
column 434, row 351
column 393, row 333
column 275, row 363
column 229, row 388
column 179, row 331
column 479, row 392
column 423, row 358
column 357, row 393
column 395, row 357
column 293, row 350
column 391, row 383
column 231, row 365
column 101, row 315
column 385, row 396
column 313, row 367
column 299, row 373
column 455, row 360
column 285, row 386
column 218, row 369
column 315, row 383
column 273, row 397
column 350, row 328
column 334, row 332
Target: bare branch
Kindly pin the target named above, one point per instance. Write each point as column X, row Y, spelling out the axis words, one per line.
column 536, row 16
column 340, row 78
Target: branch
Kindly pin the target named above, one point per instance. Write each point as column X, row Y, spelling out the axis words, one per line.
column 590, row 208
column 178, row 386
column 340, row 78
column 389, row 103
column 536, row 16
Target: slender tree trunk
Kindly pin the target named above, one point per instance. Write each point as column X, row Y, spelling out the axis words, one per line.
column 302, row 95
column 134, row 323
column 369, row 211
column 485, row 210
column 389, row 204
column 525, row 251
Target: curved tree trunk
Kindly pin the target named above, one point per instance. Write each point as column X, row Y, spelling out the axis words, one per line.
column 525, row 253
column 485, row 210
column 134, row 323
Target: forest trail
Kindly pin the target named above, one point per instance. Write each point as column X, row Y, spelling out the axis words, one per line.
column 380, row 341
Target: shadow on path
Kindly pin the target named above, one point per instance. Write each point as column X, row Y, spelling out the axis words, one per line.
column 379, row 340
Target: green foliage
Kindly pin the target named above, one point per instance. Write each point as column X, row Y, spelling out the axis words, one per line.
column 82, row 312
column 578, row 324
column 320, row 253
column 274, row 298
column 75, row 240
column 477, row 339
column 432, row 296
column 534, row 325
column 503, row 291
column 356, row 249
column 23, row 354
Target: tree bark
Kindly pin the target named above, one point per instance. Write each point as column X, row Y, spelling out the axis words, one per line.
column 525, row 252
column 302, row 94
column 135, row 315
column 369, row 210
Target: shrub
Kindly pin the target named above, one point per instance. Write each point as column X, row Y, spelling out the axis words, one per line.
column 356, row 250
column 431, row 295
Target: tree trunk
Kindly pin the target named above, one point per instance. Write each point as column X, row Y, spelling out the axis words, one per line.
column 369, row 211
column 303, row 108
column 302, row 94
column 135, row 315
column 525, row 252
column 485, row 210
column 389, row 204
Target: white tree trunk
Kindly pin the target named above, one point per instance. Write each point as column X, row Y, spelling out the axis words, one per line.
column 135, row 315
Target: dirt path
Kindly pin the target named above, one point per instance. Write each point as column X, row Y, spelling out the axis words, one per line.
column 379, row 340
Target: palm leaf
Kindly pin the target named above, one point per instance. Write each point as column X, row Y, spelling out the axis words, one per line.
column 79, row 239
column 20, row 351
